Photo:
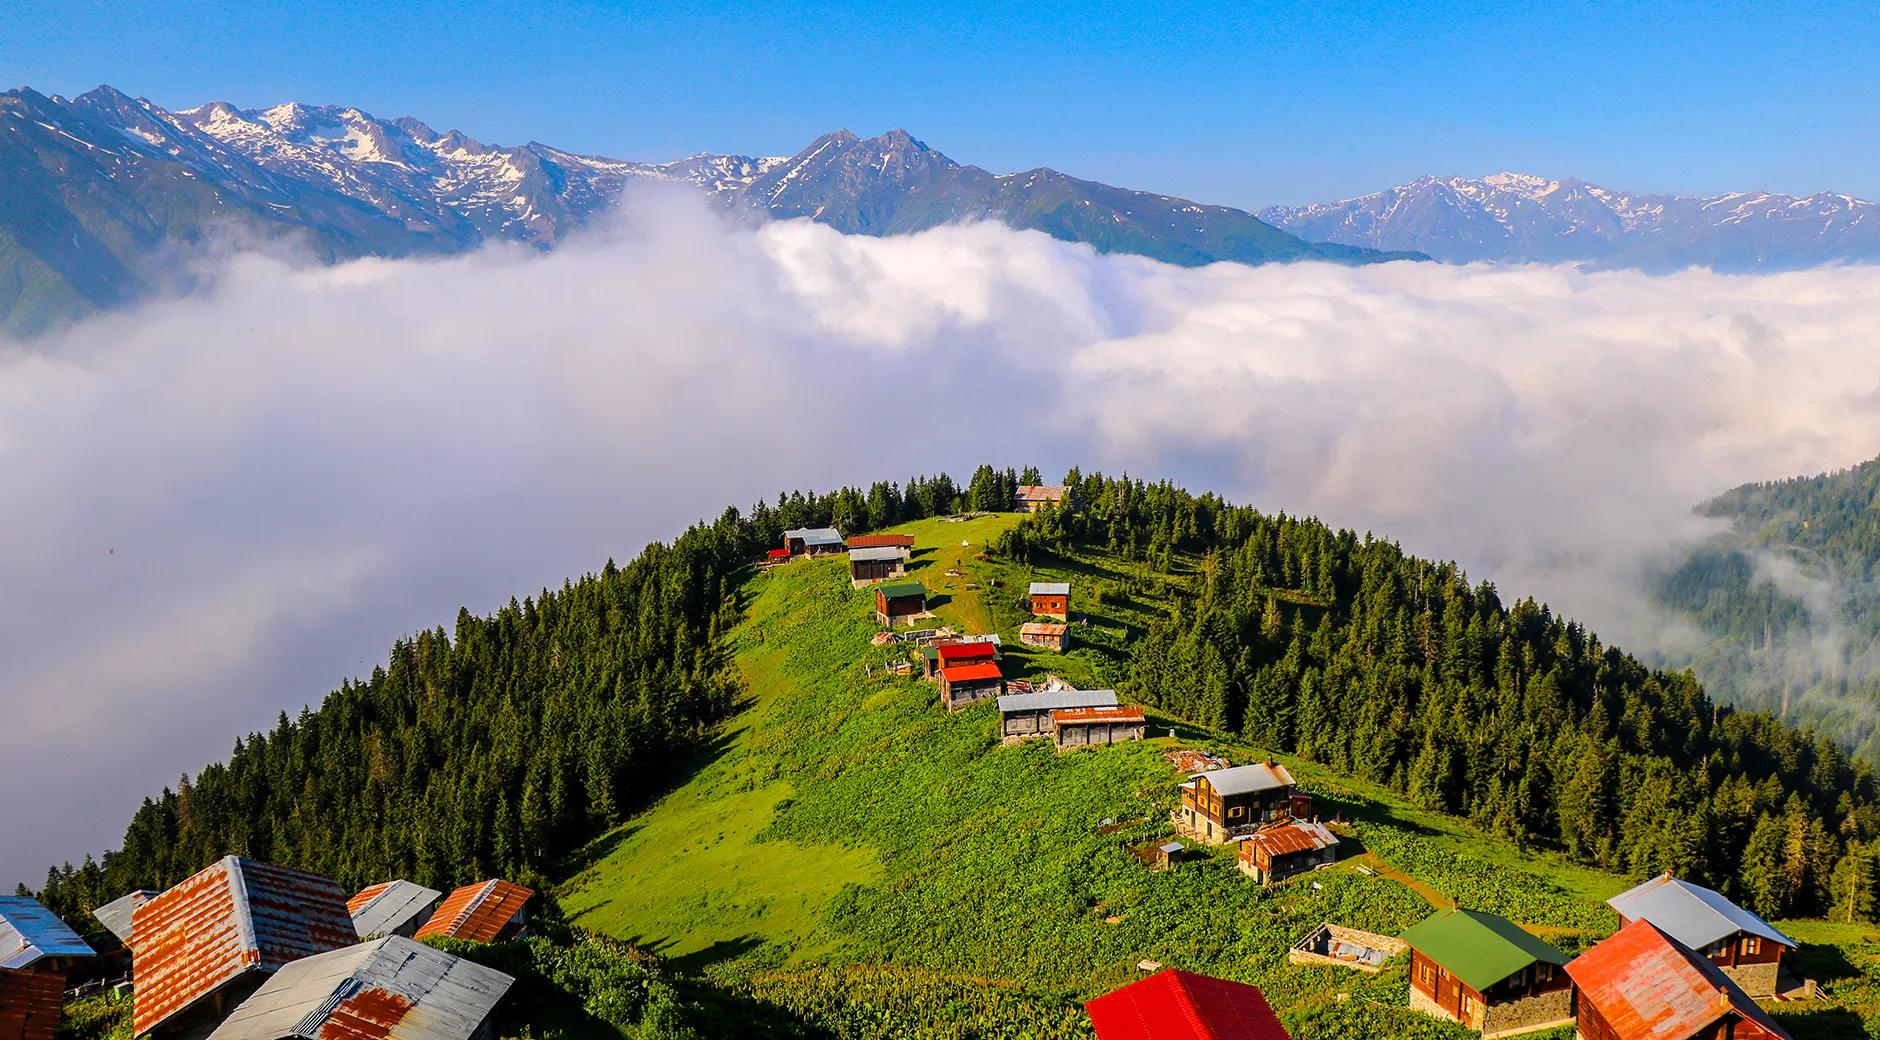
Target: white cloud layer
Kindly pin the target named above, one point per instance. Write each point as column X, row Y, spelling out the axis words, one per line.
column 217, row 507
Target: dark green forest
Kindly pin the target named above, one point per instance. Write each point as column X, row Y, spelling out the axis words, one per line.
column 1345, row 650
column 501, row 747
column 1787, row 601
column 498, row 748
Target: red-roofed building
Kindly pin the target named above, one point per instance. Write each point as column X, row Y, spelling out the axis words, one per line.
column 1642, row 984
column 488, row 911
column 1180, row 1005
column 1083, row 727
column 882, row 541
column 1277, row 853
column 963, row 684
column 777, row 555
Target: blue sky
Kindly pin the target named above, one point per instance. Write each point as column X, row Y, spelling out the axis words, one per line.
column 1243, row 104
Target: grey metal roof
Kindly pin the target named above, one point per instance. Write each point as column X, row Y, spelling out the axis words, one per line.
column 1247, row 779
column 29, row 931
column 391, row 988
column 885, row 552
column 1050, row 588
column 1056, row 699
column 1173, row 846
column 116, row 915
column 1691, row 914
column 393, row 907
column 814, row 535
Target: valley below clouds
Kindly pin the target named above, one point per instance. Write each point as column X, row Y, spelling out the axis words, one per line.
column 218, row 507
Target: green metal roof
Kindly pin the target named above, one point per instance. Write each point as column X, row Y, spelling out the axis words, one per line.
column 1480, row 949
column 902, row 588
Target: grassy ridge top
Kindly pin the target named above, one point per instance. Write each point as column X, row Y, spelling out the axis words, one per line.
column 853, row 853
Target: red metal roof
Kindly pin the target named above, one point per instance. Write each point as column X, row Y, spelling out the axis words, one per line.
column 882, row 541
column 229, row 918
column 779, row 554
column 1075, row 716
column 950, row 652
column 477, row 912
column 1180, row 1005
column 1649, row 986
column 29, row 1003
column 979, row 672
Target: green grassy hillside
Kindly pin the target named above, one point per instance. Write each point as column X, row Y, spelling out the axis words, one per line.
column 856, row 855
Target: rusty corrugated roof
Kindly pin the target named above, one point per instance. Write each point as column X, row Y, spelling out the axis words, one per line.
column 881, row 541
column 29, row 931
column 230, row 918
column 1649, row 986
column 30, row 1000
column 1293, row 837
column 477, row 912
column 387, row 989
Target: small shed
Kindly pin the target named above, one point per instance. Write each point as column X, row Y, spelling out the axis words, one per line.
column 1086, row 727
column 898, row 600
column 1026, row 715
column 964, row 684
column 392, row 908
column 1277, row 853
column 387, row 989
column 1336, row 946
column 1031, row 498
column 1180, row 1005
column 1046, row 635
column 878, row 563
column 1166, row 855
column 945, row 655
column 776, row 555
column 488, row 911
column 813, row 541
column 1051, row 599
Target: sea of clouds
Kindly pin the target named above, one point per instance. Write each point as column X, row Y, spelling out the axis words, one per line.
column 217, row 507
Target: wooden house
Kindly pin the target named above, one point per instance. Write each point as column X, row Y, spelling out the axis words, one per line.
column 1046, row 635
column 204, row 945
column 880, row 563
column 900, row 600
column 1277, row 853
column 1088, row 727
column 392, row 908
column 1487, row 973
column 1051, row 599
column 1744, row 946
column 1221, row 805
column 1023, row 716
column 960, row 651
column 903, row 542
column 31, row 1001
column 38, row 953
column 964, row 684
column 1180, row 1005
column 488, row 911
column 1643, row 984
column 813, row 541
column 1032, row 498
column 388, row 989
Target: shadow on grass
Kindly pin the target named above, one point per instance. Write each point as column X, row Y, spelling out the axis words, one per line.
column 688, row 766
column 1821, row 963
column 717, row 953
column 1822, row 1024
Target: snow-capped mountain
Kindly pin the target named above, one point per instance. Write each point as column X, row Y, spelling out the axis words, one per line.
column 108, row 196
column 1520, row 217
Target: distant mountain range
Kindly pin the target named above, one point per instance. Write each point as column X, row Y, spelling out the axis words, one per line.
column 108, row 197
column 1513, row 217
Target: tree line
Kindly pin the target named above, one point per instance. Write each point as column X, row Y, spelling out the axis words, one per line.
column 1345, row 650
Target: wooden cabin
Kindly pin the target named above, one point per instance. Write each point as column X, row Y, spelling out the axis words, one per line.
column 1642, row 984
column 1046, row 635
column 1023, row 716
column 813, row 541
column 1744, row 946
column 1088, row 727
column 38, row 953
column 900, row 600
column 960, row 651
column 964, row 684
column 880, row 563
column 1487, row 973
column 1277, row 853
column 31, row 1000
column 1051, row 599
column 1180, row 1005
column 1219, row 806
column 1032, row 498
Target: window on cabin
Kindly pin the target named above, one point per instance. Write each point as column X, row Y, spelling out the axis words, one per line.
column 1544, row 973
column 1236, row 812
column 1752, row 945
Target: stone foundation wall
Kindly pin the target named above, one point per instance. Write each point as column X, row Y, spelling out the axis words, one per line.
column 1427, row 1004
column 1757, row 980
column 1542, row 1011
